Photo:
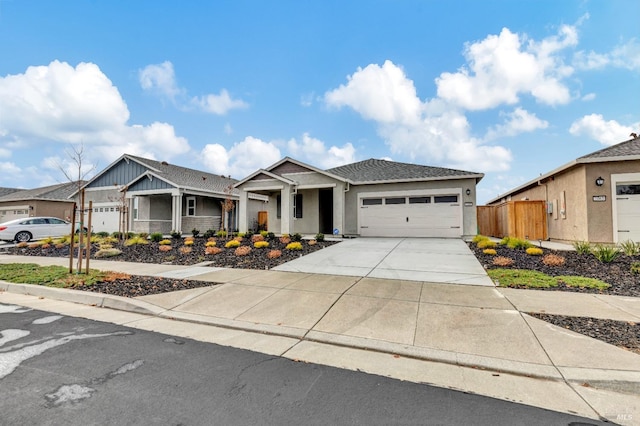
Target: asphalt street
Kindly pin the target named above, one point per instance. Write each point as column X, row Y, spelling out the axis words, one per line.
column 62, row 370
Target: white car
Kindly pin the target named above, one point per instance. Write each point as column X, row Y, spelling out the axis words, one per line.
column 33, row 228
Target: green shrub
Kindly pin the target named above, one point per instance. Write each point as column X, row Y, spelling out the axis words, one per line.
column 130, row 234
column 195, row 232
column 319, row 237
column 143, row 235
column 261, row 244
column 515, row 243
column 135, row 241
column 604, row 253
column 296, row 245
column 221, row 234
column 296, row 237
column 630, row 248
column 102, row 234
column 209, row 233
column 482, row 244
column 479, row 238
column 175, row 234
column 534, row 251
column 489, row 251
column 264, row 234
column 117, row 235
column 232, row 244
column 107, row 252
column 635, row 267
column 156, row 236
column 582, row 247
column 271, row 236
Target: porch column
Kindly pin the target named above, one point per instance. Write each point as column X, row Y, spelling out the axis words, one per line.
column 176, row 213
column 338, row 209
column 243, row 220
column 286, row 210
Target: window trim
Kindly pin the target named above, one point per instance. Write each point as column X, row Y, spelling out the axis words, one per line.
column 188, row 209
column 298, row 206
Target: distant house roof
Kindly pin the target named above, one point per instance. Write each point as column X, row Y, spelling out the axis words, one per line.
column 6, row 191
column 380, row 171
column 59, row 192
column 623, row 151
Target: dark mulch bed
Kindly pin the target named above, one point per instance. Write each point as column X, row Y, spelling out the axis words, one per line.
column 138, row 285
column 617, row 273
column 623, row 334
column 150, row 253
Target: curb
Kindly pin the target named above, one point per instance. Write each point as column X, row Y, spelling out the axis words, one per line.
column 497, row 365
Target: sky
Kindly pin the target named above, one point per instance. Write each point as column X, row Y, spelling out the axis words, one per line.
column 511, row 89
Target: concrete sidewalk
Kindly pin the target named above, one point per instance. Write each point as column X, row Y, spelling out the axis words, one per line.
column 468, row 337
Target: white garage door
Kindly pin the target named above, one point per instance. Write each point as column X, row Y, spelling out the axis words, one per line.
column 411, row 216
column 105, row 218
column 628, row 208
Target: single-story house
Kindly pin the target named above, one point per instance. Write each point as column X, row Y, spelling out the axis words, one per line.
column 53, row 200
column 142, row 195
column 367, row 198
column 593, row 198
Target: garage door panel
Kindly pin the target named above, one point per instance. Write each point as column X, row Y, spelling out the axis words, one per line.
column 421, row 219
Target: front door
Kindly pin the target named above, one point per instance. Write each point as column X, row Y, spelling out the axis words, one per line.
column 325, row 211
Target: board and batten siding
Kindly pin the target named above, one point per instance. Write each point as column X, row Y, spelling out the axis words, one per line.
column 146, row 184
column 120, row 174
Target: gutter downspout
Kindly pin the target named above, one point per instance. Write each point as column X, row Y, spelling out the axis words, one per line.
column 546, row 199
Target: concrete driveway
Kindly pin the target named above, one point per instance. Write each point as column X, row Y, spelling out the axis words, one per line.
column 436, row 260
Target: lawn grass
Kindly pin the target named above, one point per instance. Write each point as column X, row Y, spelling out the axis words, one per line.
column 50, row 276
column 533, row 279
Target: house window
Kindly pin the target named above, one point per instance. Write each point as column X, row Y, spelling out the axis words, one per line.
column 419, row 200
column 395, row 200
column 372, row 201
column 278, row 206
column 297, row 206
column 627, row 189
column 191, row 206
column 445, row 199
column 135, row 207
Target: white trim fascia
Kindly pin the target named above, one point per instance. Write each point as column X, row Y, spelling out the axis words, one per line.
column 172, row 192
column 195, row 191
column 147, row 174
column 264, row 188
column 424, row 179
column 317, row 186
column 258, row 197
column 266, row 172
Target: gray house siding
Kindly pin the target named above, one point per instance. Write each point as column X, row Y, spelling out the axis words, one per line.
column 146, row 184
column 120, row 174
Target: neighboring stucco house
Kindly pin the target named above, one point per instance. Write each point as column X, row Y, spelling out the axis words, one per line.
column 142, row 195
column 368, row 198
column 593, row 198
column 53, row 200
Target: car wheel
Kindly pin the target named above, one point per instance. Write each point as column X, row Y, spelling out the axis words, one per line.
column 23, row 236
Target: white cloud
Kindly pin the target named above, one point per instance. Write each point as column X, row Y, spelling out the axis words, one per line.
column 589, row 97
column 518, row 121
column 160, row 78
column 501, row 67
column 219, row 104
column 606, row 132
column 433, row 132
column 9, row 169
column 306, row 100
column 59, row 103
column 383, row 94
column 314, row 151
column 228, row 129
column 625, row 55
column 242, row 159
column 5, row 153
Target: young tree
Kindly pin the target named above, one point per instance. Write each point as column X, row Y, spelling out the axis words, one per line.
column 227, row 206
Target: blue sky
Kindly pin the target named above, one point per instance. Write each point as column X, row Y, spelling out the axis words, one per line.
column 511, row 89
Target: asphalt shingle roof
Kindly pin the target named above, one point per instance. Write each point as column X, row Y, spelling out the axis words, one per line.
column 7, row 191
column 185, row 177
column 623, row 149
column 374, row 170
column 59, row 192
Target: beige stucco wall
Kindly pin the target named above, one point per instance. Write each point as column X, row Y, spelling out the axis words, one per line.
column 59, row 209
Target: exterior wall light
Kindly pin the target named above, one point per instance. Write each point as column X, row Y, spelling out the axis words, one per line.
column 600, row 181
column 468, row 191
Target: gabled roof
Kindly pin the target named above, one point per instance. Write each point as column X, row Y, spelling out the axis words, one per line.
column 59, row 192
column 184, row 177
column 7, row 191
column 268, row 171
column 623, row 151
column 380, row 171
column 181, row 177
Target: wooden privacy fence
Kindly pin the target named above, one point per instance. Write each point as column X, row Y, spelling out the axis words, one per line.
column 521, row 219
